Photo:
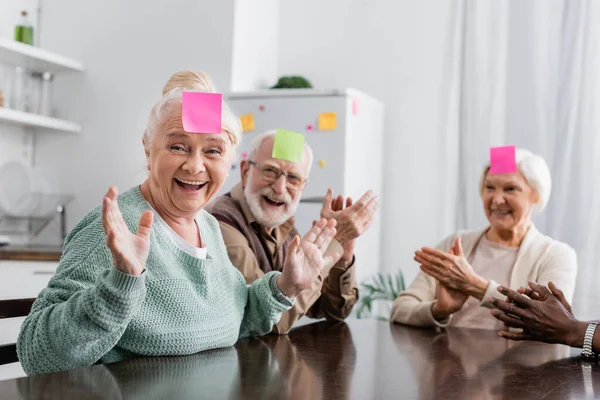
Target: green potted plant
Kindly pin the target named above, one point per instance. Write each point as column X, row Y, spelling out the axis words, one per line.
column 292, row 82
column 383, row 289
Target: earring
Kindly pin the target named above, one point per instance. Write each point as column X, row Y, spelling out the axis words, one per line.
column 147, row 166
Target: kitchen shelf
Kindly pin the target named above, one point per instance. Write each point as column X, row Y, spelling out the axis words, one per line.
column 37, row 121
column 36, row 59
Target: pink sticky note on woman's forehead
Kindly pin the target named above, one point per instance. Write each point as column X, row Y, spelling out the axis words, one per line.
column 201, row 112
column 503, row 160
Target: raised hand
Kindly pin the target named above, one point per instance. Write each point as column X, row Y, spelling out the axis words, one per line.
column 129, row 251
column 448, row 301
column 452, row 270
column 352, row 221
column 337, row 204
column 304, row 259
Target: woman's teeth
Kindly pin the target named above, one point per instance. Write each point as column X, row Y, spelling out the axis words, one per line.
column 190, row 185
column 191, row 182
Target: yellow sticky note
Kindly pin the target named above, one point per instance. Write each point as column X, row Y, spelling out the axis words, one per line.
column 247, row 121
column 327, row 121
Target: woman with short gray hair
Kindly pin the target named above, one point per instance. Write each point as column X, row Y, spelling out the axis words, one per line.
column 463, row 272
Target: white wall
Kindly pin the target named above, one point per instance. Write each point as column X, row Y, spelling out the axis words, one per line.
column 255, row 42
column 129, row 50
column 15, row 144
column 391, row 49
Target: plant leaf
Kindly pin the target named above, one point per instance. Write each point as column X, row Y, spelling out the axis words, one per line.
column 379, row 287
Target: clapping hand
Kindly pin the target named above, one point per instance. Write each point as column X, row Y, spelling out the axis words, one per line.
column 304, row 260
column 129, row 251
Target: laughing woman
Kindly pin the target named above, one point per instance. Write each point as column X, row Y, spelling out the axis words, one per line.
column 461, row 274
column 147, row 273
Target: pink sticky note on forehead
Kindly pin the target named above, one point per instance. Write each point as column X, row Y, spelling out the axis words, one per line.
column 503, row 160
column 201, row 112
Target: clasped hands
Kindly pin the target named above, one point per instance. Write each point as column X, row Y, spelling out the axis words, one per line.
column 456, row 280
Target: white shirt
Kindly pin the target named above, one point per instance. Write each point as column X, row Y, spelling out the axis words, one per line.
column 197, row 252
column 492, row 261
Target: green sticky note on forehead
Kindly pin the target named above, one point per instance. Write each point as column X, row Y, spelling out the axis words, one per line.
column 288, row 145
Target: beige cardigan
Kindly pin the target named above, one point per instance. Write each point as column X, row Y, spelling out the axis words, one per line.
column 540, row 259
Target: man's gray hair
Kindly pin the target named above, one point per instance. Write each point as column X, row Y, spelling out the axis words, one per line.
column 260, row 138
column 536, row 173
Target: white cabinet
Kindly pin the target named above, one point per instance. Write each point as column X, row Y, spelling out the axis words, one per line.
column 21, row 280
column 24, row 279
column 18, row 280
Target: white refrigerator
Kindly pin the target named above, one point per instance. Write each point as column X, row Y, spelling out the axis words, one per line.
column 344, row 128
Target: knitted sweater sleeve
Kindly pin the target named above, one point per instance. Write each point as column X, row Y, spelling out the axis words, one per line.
column 262, row 310
column 83, row 312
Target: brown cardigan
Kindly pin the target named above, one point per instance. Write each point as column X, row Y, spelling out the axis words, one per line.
column 255, row 252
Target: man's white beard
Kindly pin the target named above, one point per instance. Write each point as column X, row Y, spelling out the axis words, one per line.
column 268, row 219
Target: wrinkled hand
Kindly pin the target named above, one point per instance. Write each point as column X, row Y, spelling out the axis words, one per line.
column 304, row 259
column 448, row 301
column 352, row 221
column 451, row 270
column 532, row 294
column 546, row 320
column 129, row 251
column 337, row 204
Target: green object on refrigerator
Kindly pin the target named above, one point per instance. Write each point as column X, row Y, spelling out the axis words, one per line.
column 24, row 30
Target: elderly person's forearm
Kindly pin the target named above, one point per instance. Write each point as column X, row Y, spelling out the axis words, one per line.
column 477, row 287
column 338, row 295
column 79, row 331
column 596, row 342
column 576, row 337
column 262, row 310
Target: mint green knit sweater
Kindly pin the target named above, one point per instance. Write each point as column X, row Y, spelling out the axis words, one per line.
column 91, row 312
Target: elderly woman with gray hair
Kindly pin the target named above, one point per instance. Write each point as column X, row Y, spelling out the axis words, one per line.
column 463, row 272
column 148, row 273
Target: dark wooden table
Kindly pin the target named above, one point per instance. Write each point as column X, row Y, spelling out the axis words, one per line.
column 357, row 360
column 31, row 253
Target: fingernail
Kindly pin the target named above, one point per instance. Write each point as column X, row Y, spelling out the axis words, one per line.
column 500, row 288
column 494, row 312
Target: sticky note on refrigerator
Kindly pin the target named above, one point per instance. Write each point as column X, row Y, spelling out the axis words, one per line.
column 201, row 112
column 247, row 121
column 503, row 160
column 355, row 106
column 288, row 145
column 327, row 121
